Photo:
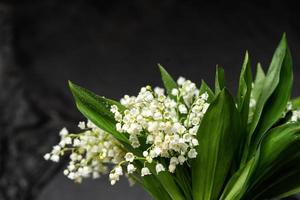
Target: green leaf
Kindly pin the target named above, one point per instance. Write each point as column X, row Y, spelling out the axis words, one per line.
column 276, row 104
column 241, row 180
column 277, row 140
column 288, row 185
column 154, row 187
column 258, row 82
column 168, row 81
column 183, row 179
column 244, row 90
column 219, row 80
column 149, row 183
column 205, row 88
column 276, row 91
column 279, row 155
column 219, row 135
column 255, row 94
column 275, row 148
column 281, row 184
column 285, row 185
column 96, row 109
column 270, row 82
column 168, row 183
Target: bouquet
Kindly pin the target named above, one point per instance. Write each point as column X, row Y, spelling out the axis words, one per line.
column 186, row 142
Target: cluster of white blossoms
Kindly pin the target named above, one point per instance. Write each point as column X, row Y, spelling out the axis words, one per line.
column 90, row 151
column 167, row 124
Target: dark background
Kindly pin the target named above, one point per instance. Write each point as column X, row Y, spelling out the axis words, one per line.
column 112, row 48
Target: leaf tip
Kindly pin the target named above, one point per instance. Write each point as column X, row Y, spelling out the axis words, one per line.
column 284, row 36
column 70, row 83
column 283, row 40
column 259, row 67
column 246, row 55
column 160, row 66
column 73, row 88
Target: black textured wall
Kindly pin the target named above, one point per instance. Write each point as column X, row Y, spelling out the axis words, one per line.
column 112, row 48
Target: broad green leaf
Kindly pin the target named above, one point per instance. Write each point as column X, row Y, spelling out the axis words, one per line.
column 276, row 104
column 275, row 148
column 240, row 181
column 96, row 109
column 276, row 141
column 154, row 187
column 168, row 183
column 219, row 136
column 288, row 185
column 168, row 81
column 219, row 80
column 273, row 92
column 282, row 184
column 244, row 90
column 150, row 183
column 183, row 179
column 279, row 155
column 205, row 88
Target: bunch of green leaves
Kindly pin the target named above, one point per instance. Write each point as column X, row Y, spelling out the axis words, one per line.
column 243, row 152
